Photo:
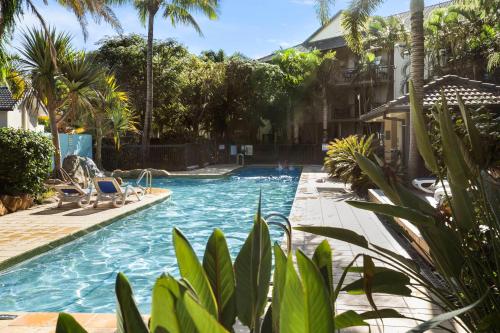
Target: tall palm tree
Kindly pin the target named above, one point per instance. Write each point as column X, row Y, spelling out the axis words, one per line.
column 353, row 21
column 59, row 89
column 178, row 12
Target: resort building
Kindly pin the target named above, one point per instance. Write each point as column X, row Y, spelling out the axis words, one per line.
column 12, row 114
column 393, row 116
column 354, row 90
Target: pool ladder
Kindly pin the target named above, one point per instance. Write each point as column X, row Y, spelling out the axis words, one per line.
column 287, row 227
column 241, row 157
column 149, row 181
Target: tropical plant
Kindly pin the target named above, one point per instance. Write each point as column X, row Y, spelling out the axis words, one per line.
column 60, row 89
column 340, row 161
column 25, row 163
column 462, row 235
column 353, row 21
column 98, row 10
column 178, row 12
column 109, row 113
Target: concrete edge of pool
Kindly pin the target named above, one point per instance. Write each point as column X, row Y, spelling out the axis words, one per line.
column 46, row 227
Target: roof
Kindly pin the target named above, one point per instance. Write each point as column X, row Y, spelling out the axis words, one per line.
column 335, row 41
column 7, row 102
column 472, row 92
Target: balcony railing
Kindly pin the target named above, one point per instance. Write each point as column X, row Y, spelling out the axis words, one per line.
column 360, row 75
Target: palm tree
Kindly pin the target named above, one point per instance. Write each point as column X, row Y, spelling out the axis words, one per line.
column 109, row 113
column 353, row 21
column 178, row 12
column 98, row 9
column 62, row 89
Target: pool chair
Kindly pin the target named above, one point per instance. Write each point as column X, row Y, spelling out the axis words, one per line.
column 108, row 189
column 73, row 193
column 432, row 186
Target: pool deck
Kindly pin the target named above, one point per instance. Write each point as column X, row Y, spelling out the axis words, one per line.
column 30, row 232
column 319, row 202
column 211, row 171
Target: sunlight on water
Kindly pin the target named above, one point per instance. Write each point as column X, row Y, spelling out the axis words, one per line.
column 80, row 276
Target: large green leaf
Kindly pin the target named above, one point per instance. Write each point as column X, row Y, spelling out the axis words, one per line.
column 418, row 123
column 473, row 133
column 319, row 312
column 253, row 273
column 192, row 270
column 349, row 319
column 279, row 279
column 219, row 269
column 342, row 234
column 384, row 280
column 322, row 258
column 381, row 313
column 462, row 205
column 293, row 317
column 129, row 317
column 412, row 215
column 436, row 321
column 455, row 164
column 377, row 176
column 411, row 200
column 67, row 324
column 163, row 311
column 202, row 319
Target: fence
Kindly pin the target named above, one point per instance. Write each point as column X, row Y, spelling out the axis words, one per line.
column 168, row 157
column 183, row 156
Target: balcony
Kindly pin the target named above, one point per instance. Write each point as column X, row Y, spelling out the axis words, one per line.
column 360, row 76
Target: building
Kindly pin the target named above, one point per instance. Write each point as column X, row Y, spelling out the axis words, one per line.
column 354, row 90
column 12, row 114
column 393, row 116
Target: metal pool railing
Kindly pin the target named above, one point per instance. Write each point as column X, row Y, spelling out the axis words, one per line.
column 149, row 181
column 287, row 227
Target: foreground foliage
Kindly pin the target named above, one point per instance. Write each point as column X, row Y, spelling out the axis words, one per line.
column 463, row 234
column 25, row 161
column 340, row 161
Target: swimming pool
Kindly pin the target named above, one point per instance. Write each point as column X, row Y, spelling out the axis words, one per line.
column 80, row 276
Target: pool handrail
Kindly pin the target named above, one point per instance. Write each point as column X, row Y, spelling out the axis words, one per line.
column 149, row 180
column 287, row 227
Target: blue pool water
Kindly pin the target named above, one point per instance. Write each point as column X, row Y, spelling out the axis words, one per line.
column 80, row 276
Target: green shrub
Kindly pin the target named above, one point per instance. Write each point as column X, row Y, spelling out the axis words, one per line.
column 340, row 161
column 25, row 161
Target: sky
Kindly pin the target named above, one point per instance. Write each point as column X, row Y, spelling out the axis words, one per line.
column 255, row 28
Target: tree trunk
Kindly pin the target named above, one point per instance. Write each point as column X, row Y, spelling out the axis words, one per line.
column 390, row 75
column 55, row 139
column 98, row 143
column 325, row 115
column 415, row 162
column 148, row 114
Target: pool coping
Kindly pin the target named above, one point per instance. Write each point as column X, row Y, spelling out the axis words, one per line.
column 128, row 209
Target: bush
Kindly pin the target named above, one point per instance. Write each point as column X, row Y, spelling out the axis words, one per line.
column 340, row 161
column 26, row 160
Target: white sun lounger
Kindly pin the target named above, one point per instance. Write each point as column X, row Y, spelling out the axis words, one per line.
column 73, row 193
column 432, row 186
column 108, row 189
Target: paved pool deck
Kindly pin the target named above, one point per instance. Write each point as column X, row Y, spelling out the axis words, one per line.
column 28, row 233
column 319, row 202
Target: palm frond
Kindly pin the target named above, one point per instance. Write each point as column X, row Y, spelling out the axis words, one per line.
column 354, row 20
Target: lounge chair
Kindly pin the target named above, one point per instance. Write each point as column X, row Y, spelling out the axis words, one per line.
column 108, row 189
column 73, row 193
column 432, row 186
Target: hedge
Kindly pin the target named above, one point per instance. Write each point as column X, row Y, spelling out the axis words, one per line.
column 25, row 161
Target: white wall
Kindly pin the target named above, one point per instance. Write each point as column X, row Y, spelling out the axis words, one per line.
column 20, row 119
column 333, row 29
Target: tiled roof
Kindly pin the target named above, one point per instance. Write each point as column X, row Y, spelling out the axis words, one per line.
column 472, row 92
column 7, row 102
